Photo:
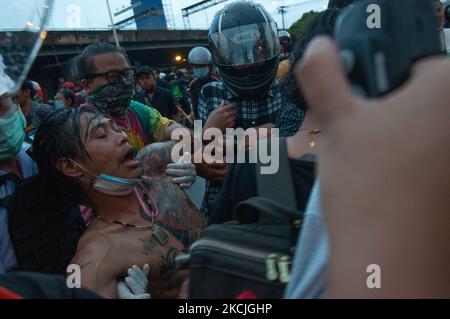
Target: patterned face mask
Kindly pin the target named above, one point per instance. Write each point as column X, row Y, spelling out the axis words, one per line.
column 113, row 98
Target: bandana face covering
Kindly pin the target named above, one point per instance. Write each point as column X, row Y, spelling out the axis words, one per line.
column 113, row 98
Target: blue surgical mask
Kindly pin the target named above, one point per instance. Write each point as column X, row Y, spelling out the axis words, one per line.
column 115, row 186
column 59, row 104
column 12, row 133
column 201, row 72
column 110, row 185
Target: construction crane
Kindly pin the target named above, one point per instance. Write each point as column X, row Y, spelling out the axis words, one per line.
column 142, row 15
column 137, row 4
column 152, row 11
column 283, row 9
column 199, row 6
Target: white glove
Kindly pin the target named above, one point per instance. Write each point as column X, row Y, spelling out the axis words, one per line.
column 135, row 285
column 184, row 171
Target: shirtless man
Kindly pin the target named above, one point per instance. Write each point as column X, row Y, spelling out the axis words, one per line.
column 137, row 220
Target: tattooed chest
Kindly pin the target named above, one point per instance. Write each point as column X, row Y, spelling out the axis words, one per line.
column 162, row 261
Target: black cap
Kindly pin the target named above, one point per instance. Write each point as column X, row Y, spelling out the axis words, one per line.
column 144, row 70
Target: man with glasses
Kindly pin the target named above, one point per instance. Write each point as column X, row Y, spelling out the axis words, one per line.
column 106, row 75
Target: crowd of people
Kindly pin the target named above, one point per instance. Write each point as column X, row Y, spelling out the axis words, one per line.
column 89, row 179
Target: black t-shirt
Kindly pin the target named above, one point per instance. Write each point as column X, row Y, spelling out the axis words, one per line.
column 163, row 101
column 164, row 84
column 240, row 184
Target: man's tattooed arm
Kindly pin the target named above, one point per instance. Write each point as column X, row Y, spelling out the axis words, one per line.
column 177, row 213
column 155, row 158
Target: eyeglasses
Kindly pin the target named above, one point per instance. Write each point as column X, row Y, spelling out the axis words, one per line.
column 114, row 76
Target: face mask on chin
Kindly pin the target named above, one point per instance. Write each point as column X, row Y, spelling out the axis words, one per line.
column 12, row 134
column 107, row 184
column 113, row 98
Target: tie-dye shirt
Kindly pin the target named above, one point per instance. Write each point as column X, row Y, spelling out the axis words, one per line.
column 144, row 125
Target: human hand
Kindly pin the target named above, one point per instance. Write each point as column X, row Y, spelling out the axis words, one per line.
column 183, row 170
column 135, row 285
column 392, row 157
column 223, row 117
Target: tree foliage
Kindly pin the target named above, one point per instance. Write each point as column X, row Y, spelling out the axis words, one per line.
column 297, row 29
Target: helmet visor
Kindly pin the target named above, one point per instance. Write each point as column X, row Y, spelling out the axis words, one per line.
column 246, row 44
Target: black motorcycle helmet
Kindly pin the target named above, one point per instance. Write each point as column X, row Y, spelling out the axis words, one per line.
column 245, row 48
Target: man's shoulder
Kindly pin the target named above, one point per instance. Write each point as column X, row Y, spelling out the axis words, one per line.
column 147, row 115
column 163, row 91
column 217, row 85
column 138, row 108
column 163, row 83
column 139, row 95
column 204, row 81
column 92, row 247
column 214, row 89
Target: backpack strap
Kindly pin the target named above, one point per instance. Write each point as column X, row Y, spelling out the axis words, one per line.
column 278, row 187
column 269, row 210
column 276, row 200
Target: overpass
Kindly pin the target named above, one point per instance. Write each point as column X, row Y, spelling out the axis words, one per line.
column 143, row 47
column 72, row 42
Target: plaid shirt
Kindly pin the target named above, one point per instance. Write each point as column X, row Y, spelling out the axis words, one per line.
column 250, row 113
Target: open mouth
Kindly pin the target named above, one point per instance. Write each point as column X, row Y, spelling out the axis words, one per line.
column 130, row 155
column 129, row 161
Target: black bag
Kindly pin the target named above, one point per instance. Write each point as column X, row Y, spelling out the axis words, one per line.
column 234, row 257
column 44, row 228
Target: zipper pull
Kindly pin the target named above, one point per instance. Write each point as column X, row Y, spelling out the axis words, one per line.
column 271, row 267
column 284, row 264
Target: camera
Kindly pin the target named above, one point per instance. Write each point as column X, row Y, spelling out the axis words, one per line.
column 381, row 39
